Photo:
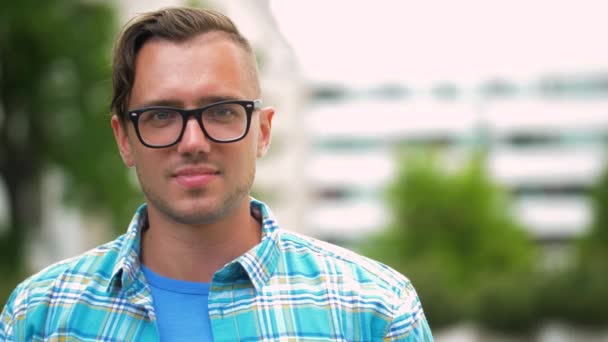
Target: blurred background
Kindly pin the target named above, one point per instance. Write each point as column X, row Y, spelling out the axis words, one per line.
column 462, row 143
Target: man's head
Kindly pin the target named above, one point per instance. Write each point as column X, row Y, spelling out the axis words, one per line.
column 172, row 24
column 188, row 59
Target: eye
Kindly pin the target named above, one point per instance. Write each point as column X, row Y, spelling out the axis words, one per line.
column 222, row 111
column 159, row 117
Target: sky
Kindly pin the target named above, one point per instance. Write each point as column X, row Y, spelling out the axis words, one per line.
column 425, row 42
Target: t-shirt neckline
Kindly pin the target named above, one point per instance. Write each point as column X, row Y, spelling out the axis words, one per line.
column 175, row 285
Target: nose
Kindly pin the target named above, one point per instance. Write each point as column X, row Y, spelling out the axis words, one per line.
column 193, row 140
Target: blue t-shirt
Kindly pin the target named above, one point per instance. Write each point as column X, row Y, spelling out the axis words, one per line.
column 181, row 308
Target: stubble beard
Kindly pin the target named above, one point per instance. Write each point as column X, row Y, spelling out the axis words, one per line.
column 227, row 204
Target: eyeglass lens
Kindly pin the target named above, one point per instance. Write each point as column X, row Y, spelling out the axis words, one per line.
column 222, row 122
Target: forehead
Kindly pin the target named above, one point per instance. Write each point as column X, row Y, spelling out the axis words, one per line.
column 207, row 65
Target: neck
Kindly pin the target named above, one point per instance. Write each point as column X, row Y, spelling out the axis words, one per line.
column 195, row 253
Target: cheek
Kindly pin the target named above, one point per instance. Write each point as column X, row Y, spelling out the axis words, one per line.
column 148, row 165
column 241, row 157
column 252, row 148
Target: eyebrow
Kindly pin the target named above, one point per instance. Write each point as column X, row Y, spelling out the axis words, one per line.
column 179, row 104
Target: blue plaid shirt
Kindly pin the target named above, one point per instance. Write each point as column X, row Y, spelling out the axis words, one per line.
column 287, row 288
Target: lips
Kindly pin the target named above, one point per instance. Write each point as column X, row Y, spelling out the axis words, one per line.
column 195, row 177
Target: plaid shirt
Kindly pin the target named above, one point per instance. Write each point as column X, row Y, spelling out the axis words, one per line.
column 287, row 288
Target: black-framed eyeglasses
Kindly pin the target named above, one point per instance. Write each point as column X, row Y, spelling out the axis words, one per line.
column 221, row 122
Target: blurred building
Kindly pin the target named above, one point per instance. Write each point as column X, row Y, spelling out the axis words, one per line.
column 545, row 143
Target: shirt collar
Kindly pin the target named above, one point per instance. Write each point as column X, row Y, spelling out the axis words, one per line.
column 258, row 263
column 127, row 265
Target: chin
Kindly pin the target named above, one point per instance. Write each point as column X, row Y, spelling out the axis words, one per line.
column 202, row 212
column 197, row 208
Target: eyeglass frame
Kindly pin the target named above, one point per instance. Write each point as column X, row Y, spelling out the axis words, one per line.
column 250, row 106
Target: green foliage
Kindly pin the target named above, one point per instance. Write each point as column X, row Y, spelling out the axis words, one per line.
column 580, row 294
column 56, row 75
column 54, row 97
column 510, row 302
column 454, row 235
column 577, row 295
column 593, row 249
column 7, row 285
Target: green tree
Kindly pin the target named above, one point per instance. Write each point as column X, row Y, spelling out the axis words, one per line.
column 594, row 246
column 452, row 233
column 54, row 100
column 585, row 283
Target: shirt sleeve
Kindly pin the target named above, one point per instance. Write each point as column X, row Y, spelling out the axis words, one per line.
column 409, row 323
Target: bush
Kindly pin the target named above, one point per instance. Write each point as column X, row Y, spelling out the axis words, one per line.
column 443, row 305
column 454, row 236
column 580, row 295
column 510, row 303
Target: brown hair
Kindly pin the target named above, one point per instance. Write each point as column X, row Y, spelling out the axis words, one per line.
column 175, row 24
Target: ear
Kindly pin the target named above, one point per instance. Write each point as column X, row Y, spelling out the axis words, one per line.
column 122, row 140
column 266, row 116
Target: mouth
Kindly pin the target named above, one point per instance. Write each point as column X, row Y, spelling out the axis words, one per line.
column 195, row 177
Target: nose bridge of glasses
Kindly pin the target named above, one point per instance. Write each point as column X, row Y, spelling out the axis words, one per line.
column 194, row 117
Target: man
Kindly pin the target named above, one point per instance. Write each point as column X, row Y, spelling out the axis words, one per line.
column 201, row 260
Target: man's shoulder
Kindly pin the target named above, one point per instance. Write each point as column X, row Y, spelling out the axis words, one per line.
column 89, row 269
column 343, row 263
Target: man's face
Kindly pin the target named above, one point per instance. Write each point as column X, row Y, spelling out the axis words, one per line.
column 195, row 181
